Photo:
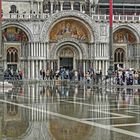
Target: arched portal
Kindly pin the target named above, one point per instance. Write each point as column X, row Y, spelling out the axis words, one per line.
column 125, row 47
column 119, row 57
column 12, row 58
column 14, row 43
column 69, row 41
column 67, row 56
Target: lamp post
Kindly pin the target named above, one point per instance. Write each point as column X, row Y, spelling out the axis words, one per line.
column 110, row 69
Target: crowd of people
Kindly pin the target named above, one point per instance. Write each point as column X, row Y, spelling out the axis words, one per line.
column 120, row 77
column 75, row 75
column 11, row 74
column 127, row 77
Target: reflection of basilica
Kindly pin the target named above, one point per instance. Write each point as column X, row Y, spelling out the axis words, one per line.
column 36, row 111
column 14, row 123
column 25, row 113
column 35, row 36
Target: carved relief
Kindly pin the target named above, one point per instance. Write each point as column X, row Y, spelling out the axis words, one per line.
column 81, row 50
column 124, row 36
column 66, row 53
column 36, row 28
column 69, row 28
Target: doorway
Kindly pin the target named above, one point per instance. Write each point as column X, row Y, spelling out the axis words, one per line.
column 12, row 67
column 66, row 62
column 119, row 58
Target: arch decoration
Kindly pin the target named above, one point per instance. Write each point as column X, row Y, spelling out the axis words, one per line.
column 21, row 27
column 74, row 43
column 124, row 36
column 69, row 28
column 125, row 48
column 57, row 17
column 14, row 34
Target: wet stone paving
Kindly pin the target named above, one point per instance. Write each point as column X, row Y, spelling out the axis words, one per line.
column 61, row 111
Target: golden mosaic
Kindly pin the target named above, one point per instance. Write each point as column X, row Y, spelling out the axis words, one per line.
column 69, row 28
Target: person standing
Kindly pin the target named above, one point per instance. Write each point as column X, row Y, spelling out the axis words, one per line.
column 43, row 74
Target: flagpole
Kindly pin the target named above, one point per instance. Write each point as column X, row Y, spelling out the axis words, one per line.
column 110, row 70
column 1, row 63
column 0, row 29
column 110, row 29
column 1, row 59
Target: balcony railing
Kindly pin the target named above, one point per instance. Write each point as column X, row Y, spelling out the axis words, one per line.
column 26, row 16
column 97, row 18
column 117, row 18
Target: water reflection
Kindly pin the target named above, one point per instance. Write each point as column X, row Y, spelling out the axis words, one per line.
column 62, row 129
column 47, row 112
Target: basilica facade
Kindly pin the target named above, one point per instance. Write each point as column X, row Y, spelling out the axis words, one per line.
column 54, row 34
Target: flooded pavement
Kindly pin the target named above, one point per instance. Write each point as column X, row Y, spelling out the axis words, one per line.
column 45, row 111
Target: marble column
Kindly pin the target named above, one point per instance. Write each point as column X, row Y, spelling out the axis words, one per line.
column 96, row 64
column 31, row 46
column 44, row 50
column 52, row 64
column 51, row 7
column 41, row 7
column 104, row 50
column 29, row 95
column 103, row 67
column 34, row 49
column 74, row 64
column 29, row 50
column 37, row 69
column 100, row 65
column 84, row 67
column 31, row 5
column 81, row 7
column 44, row 64
column 102, row 45
column 107, row 64
column 29, row 67
column 40, row 64
column 38, row 9
column 61, row 6
column 40, row 50
column 95, row 50
column 107, row 48
column 47, row 48
column 72, row 5
column 32, row 69
column 99, row 50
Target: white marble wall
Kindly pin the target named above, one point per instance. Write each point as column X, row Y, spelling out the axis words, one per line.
column 23, row 6
column 36, row 59
column 38, row 51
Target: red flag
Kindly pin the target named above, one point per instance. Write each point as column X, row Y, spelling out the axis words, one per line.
column 0, row 10
column 110, row 12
